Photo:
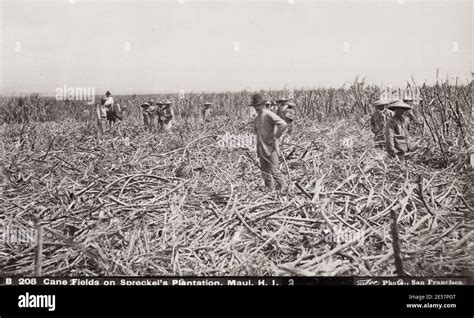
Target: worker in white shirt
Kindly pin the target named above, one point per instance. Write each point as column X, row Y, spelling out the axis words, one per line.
column 113, row 110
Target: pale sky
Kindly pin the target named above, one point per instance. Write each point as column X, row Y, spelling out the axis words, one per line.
column 191, row 46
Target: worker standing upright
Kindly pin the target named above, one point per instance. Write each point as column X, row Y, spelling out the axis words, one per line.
column 207, row 112
column 378, row 121
column 397, row 136
column 166, row 116
column 268, row 128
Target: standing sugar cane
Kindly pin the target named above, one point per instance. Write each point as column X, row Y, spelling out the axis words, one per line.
column 396, row 244
column 39, row 246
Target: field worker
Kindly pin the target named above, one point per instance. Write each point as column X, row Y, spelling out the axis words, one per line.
column 286, row 112
column 123, row 108
column 268, row 128
column 207, row 112
column 109, row 100
column 149, row 112
column 274, row 107
column 268, row 104
column 166, row 116
column 396, row 131
column 378, row 121
column 113, row 110
column 279, row 104
column 101, row 111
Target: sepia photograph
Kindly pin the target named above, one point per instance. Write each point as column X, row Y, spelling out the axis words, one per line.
column 253, row 138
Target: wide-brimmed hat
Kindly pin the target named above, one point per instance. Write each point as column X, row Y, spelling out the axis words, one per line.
column 257, row 99
column 381, row 102
column 268, row 102
column 282, row 100
column 144, row 105
column 108, row 93
column 291, row 104
column 167, row 102
column 399, row 104
column 207, row 104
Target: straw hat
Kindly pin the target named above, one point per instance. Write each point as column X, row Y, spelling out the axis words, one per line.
column 282, row 100
column 381, row 102
column 399, row 104
column 257, row 100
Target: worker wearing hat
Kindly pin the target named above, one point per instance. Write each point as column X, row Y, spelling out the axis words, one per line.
column 113, row 110
column 397, row 138
column 207, row 112
column 109, row 99
column 149, row 112
column 378, row 121
column 286, row 111
column 268, row 127
column 166, row 116
column 274, row 106
column 101, row 111
column 280, row 103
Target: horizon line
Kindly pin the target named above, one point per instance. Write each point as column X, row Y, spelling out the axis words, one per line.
column 287, row 87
